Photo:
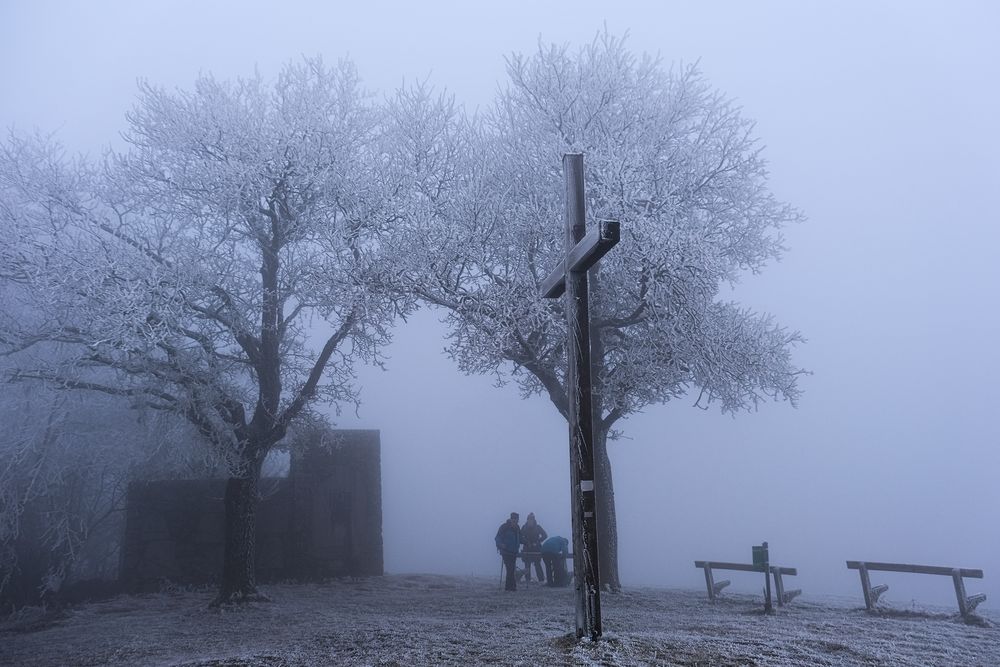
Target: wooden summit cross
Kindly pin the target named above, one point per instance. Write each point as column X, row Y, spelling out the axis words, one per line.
column 582, row 252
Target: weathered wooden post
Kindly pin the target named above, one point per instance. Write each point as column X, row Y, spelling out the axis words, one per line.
column 582, row 252
column 762, row 559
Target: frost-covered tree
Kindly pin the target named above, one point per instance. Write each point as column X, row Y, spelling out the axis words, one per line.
column 679, row 166
column 227, row 266
column 66, row 459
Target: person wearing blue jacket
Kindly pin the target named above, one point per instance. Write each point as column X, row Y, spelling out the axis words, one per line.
column 508, row 541
column 554, row 553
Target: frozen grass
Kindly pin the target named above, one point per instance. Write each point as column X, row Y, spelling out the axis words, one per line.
column 435, row 620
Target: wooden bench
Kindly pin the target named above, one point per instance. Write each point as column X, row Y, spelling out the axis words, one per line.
column 715, row 587
column 966, row 603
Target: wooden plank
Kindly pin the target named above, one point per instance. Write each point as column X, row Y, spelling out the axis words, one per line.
column 594, row 246
column 914, row 569
column 963, row 607
column 779, row 586
column 581, row 257
column 580, row 414
column 709, row 583
column 784, row 596
column 792, row 594
column 555, row 284
column 866, row 587
column 745, row 567
column 539, row 553
column 715, row 565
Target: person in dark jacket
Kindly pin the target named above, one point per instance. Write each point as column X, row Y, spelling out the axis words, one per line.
column 532, row 536
column 508, row 539
column 554, row 552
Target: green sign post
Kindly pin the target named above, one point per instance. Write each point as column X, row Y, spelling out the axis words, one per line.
column 762, row 560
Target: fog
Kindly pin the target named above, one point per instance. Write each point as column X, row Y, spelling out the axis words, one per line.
column 879, row 123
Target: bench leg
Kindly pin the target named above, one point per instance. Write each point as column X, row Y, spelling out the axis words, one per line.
column 973, row 601
column 779, row 586
column 866, row 586
column 963, row 607
column 710, row 583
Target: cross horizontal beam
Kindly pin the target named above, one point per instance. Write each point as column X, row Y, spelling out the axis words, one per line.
column 584, row 255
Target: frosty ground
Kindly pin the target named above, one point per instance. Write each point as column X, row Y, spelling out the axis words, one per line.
column 434, row 620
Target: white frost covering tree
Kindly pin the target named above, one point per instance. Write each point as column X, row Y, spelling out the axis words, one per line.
column 228, row 266
column 66, row 459
column 679, row 167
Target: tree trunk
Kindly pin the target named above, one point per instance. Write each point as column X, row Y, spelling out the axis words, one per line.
column 607, row 520
column 239, row 582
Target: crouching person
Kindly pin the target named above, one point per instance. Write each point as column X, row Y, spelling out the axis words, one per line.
column 554, row 552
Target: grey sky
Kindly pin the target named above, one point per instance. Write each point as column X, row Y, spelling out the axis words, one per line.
column 880, row 124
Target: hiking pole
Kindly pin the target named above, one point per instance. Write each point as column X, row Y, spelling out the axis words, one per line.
column 501, row 573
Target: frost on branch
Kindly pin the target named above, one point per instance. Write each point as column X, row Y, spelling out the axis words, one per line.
column 677, row 164
column 666, row 155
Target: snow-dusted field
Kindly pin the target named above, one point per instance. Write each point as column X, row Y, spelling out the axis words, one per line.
column 434, row 620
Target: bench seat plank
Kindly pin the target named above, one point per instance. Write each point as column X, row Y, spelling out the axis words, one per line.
column 743, row 567
column 914, row 569
column 717, row 565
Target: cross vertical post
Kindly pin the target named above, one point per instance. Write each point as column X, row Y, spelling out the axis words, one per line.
column 582, row 252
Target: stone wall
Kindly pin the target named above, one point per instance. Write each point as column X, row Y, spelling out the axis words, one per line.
column 323, row 520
